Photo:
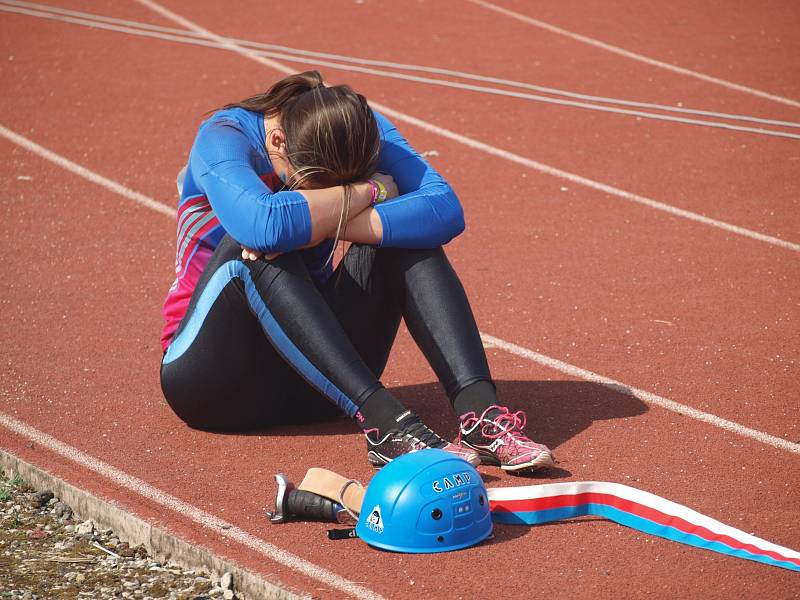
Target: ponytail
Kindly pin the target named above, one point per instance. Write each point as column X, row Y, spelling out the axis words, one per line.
column 273, row 100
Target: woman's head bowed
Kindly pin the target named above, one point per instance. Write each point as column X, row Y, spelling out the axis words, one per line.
column 328, row 135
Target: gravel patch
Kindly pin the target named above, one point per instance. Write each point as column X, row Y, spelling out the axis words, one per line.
column 45, row 553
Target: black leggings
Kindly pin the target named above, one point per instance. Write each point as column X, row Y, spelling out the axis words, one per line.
column 262, row 344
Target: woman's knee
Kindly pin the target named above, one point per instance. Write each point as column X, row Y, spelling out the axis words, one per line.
column 406, row 257
column 286, row 267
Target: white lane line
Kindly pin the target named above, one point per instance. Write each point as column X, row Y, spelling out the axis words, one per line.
column 180, row 35
column 491, row 341
column 85, row 173
column 224, row 42
column 585, row 181
column 185, row 37
column 644, row 396
column 199, row 516
column 475, row 144
column 526, row 162
column 633, row 55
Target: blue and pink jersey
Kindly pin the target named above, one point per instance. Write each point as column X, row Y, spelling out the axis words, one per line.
column 231, row 187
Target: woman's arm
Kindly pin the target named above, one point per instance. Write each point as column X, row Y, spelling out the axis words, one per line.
column 325, row 207
column 427, row 212
column 255, row 216
column 364, row 228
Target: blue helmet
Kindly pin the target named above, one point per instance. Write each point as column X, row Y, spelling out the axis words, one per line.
column 425, row 501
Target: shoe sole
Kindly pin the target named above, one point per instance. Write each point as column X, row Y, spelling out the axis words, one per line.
column 378, row 460
column 474, row 460
column 544, row 460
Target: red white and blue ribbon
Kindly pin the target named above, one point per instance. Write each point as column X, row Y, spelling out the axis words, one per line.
column 531, row 505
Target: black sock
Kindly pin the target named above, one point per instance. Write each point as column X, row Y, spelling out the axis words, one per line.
column 381, row 411
column 476, row 397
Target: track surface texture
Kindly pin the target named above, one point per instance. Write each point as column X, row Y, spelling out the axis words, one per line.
column 684, row 310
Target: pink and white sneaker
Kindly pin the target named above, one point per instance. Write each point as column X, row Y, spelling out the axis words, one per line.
column 499, row 441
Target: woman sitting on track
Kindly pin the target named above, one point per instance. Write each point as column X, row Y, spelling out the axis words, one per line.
column 260, row 329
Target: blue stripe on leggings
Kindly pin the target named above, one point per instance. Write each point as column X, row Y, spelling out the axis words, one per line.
column 280, row 340
column 634, row 522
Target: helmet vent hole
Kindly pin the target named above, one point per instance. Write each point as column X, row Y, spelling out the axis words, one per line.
column 440, row 538
column 436, row 514
column 481, row 500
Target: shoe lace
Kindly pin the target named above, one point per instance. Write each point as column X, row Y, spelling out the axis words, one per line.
column 427, row 438
column 372, row 434
column 505, row 424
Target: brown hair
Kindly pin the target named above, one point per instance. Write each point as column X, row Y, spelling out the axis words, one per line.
column 332, row 136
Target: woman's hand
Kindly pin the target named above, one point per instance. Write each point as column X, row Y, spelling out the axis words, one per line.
column 248, row 254
column 388, row 182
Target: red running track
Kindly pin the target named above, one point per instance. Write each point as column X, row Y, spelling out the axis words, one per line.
column 686, row 311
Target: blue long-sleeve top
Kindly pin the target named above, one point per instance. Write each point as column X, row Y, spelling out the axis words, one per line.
column 231, row 186
column 229, row 154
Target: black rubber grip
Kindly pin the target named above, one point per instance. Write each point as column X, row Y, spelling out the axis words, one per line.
column 308, row 505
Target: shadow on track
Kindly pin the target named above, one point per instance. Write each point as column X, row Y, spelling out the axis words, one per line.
column 556, row 410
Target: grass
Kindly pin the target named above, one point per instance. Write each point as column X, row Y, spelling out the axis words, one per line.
column 7, row 486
